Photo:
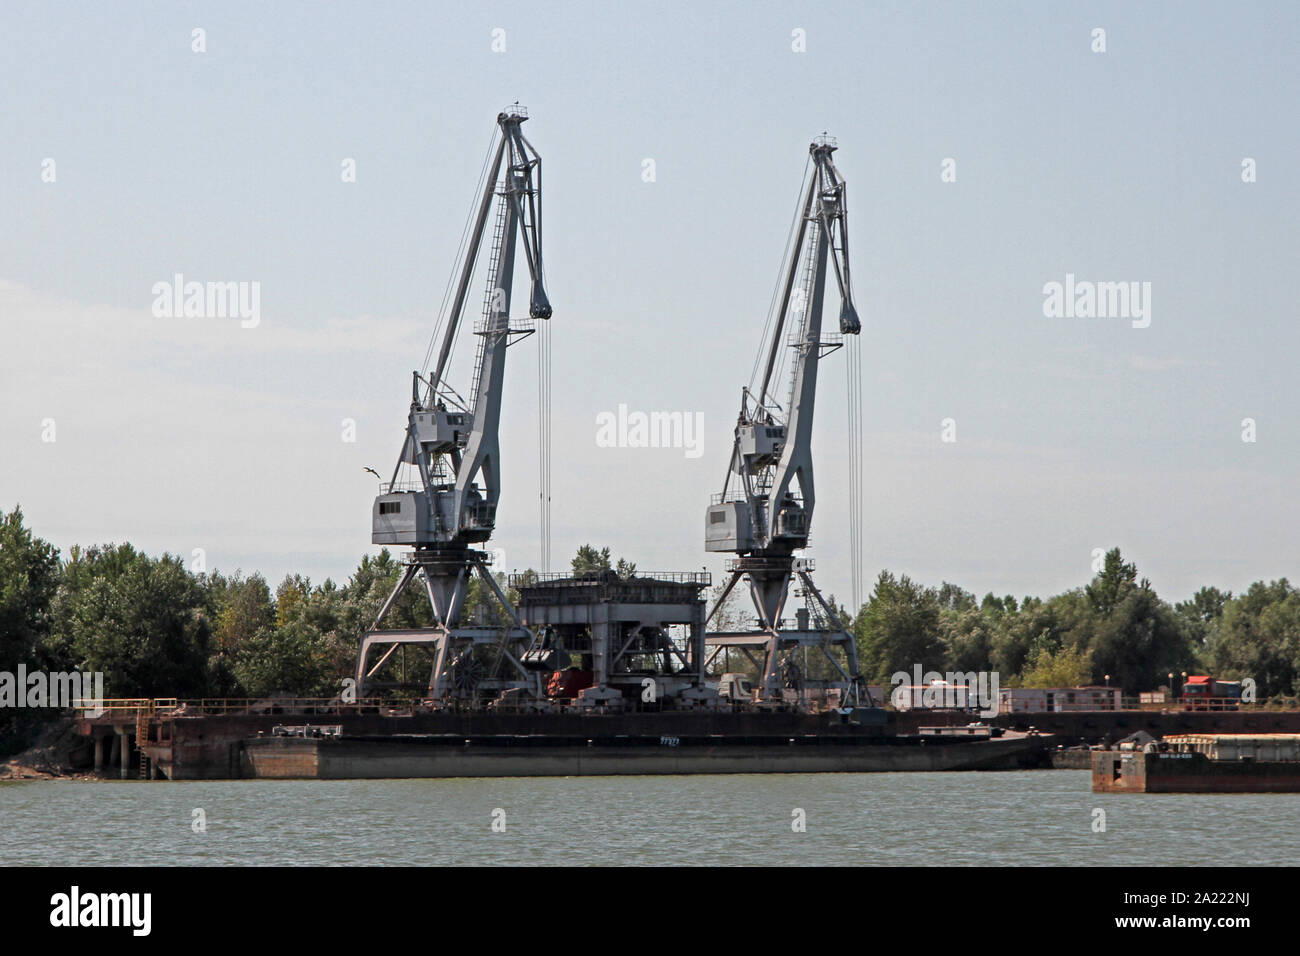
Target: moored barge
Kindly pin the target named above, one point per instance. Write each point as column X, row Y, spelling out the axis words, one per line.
column 335, row 757
column 1202, row 763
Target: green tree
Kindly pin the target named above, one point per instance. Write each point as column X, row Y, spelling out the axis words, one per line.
column 242, row 607
column 1066, row 667
column 356, row 605
column 953, row 598
column 291, row 658
column 588, row 559
column 1203, row 612
column 1259, row 637
column 967, row 637
column 29, row 579
column 143, row 622
column 1115, row 580
column 368, row 588
column 481, row 604
column 1139, row 642
column 1019, row 635
column 1205, row 605
column 293, row 591
column 898, row 628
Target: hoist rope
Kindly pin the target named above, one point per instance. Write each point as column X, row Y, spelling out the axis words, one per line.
column 853, row 365
column 544, row 439
column 764, row 346
column 461, row 252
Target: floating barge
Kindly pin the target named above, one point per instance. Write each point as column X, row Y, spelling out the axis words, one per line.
column 334, row 757
column 1202, row 763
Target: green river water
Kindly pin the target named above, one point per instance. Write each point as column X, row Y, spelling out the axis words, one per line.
column 1025, row 818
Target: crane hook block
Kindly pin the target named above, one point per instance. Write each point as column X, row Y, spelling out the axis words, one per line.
column 849, row 323
column 540, row 306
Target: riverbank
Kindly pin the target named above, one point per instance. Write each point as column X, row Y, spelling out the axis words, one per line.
column 59, row 752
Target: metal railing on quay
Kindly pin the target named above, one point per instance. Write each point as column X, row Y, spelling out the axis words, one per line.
column 120, row 707
column 218, row 706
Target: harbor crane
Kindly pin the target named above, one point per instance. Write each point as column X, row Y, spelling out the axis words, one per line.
column 764, row 512
column 446, row 509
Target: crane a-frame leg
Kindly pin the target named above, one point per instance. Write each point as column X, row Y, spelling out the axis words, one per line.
column 446, row 579
column 769, row 581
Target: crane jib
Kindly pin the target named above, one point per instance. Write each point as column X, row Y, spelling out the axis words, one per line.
column 452, row 440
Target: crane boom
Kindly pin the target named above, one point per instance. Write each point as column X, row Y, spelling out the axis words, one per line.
column 453, row 442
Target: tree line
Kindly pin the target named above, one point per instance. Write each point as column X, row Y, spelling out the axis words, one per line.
column 156, row 628
column 1115, row 629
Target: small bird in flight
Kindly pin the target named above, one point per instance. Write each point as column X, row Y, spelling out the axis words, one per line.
column 373, row 472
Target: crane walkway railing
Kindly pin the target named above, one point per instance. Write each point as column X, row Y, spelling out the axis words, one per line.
column 529, row 578
column 829, row 340
column 742, row 564
column 517, row 326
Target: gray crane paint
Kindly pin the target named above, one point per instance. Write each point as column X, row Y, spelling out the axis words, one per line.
column 764, row 512
column 453, row 443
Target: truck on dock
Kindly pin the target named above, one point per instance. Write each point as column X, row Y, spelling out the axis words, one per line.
column 1203, row 692
column 735, row 687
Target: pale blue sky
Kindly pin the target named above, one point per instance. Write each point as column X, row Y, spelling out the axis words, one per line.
column 1072, row 433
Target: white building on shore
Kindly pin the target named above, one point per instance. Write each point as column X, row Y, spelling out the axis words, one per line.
column 1044, row 700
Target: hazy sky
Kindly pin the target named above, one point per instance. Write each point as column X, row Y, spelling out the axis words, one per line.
column 1072, row 433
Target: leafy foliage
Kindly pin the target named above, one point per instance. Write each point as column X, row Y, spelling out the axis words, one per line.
column 589, row 559
column 1258, row 636
column 29, row 577
column 1115, row 626
column 1067, row 667
column 897, row 628
column 144, row 622
column 156, row 629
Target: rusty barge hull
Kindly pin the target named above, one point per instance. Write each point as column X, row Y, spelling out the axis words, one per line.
column 444, row 756
column 1137, row 772
column 213, row 747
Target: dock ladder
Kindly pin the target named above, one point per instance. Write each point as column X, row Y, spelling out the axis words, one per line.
column 143, row 714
